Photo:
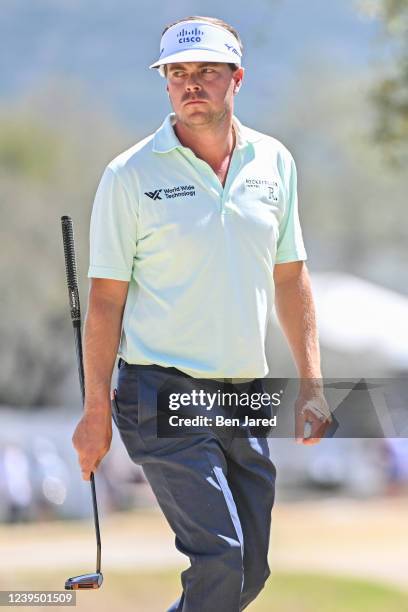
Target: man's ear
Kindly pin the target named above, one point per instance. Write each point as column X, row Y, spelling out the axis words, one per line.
column 237, row 86
column 238, row 80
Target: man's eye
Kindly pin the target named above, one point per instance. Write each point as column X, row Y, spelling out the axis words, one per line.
column 208, row 69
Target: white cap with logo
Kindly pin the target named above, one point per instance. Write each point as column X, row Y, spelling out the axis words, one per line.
column 197, row 41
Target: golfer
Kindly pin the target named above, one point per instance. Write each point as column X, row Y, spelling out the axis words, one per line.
column 194, row 237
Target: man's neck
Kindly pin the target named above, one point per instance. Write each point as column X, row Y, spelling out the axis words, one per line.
column 213, row 144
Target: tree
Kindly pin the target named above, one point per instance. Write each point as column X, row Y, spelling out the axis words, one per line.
column 390, row 93
column 53, row 148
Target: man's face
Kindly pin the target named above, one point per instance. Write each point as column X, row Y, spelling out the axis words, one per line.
column 201, row 93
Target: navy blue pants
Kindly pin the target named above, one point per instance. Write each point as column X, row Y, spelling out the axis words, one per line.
column 216, row 492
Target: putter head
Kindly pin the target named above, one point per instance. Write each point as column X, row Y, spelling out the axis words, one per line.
column 86, row 581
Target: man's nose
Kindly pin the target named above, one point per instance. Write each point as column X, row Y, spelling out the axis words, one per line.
column 192, row 83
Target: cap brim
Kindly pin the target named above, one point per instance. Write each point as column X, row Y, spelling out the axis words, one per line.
column 195, row 55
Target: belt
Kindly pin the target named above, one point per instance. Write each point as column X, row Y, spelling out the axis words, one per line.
column 172, row 370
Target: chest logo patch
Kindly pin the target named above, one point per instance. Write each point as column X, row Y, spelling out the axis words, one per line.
column 168, row 193
column 271, row 187
column 154, row 195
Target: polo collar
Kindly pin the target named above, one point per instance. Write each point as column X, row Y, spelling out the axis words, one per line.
column 165, row 139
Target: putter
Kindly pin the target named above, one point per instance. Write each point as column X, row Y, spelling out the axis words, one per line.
column 85, row 581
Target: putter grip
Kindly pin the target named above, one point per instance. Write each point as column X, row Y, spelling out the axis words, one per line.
column 70, row 267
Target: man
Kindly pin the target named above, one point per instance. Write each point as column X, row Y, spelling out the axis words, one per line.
column 194, row 235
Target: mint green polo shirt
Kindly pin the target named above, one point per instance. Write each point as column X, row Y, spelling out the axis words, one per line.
column 198, row 257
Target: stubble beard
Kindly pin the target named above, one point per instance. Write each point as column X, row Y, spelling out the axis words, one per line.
column 204, row 120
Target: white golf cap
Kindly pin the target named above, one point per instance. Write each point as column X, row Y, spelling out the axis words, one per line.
column 197, row 41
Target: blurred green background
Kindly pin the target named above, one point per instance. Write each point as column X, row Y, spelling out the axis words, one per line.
column 327, row 79
column 330, row 80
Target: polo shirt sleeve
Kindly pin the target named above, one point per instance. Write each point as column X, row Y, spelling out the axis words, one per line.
column 113, row 230
column 290, row 242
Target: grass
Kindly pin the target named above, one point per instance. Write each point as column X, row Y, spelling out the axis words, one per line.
column 153, row 591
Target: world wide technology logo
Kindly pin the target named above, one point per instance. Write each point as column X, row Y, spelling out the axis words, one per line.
column 171, row 192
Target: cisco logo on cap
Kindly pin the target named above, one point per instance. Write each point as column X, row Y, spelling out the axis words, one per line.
column 186, row 36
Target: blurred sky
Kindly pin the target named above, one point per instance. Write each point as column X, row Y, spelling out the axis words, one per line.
column 108, row 47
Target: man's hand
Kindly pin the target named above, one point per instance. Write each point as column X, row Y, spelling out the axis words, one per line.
column 311, row 406
column 296, row 314
column 102, row 329
column 92, row 438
